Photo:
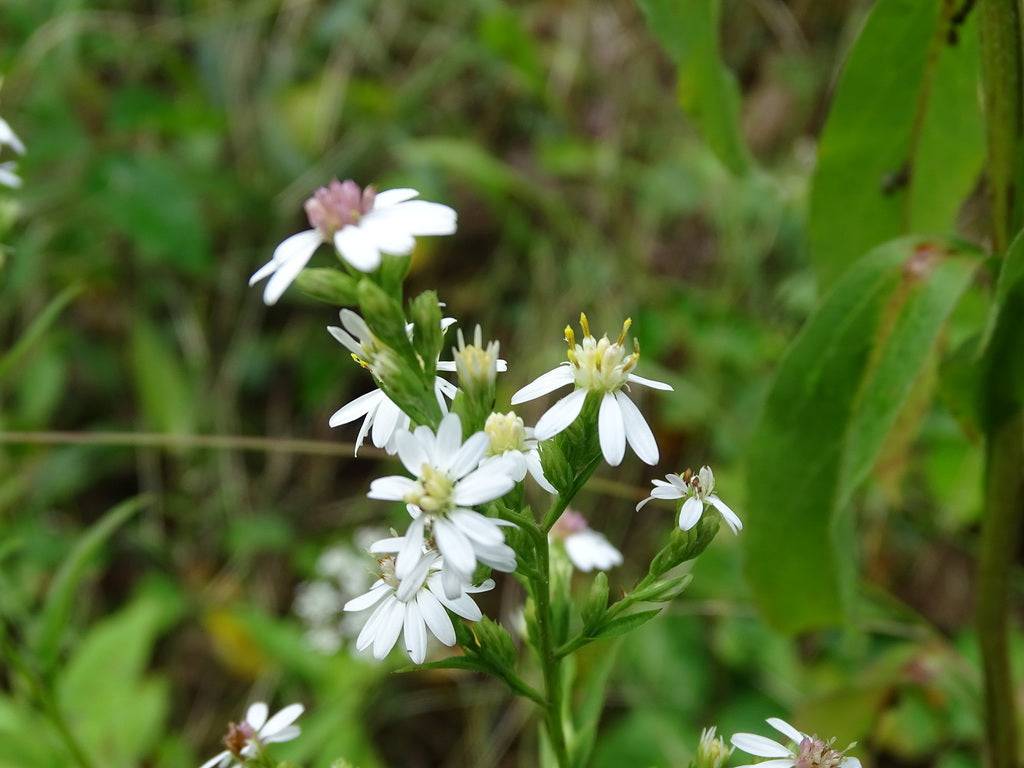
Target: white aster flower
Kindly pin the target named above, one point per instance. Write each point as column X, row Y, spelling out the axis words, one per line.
column 448, row 481
column 247, row 738
column 513, row 442
column 805, row 752
column 8, row 170
column 411, row 605
column 362, row 224
column 586, row 548
column 477, row 365
column 602, row 367
column 698, row 490
column 382, row 418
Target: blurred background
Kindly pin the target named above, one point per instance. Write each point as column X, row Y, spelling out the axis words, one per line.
column 171, row 144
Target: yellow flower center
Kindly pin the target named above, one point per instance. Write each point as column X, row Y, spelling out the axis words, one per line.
column 506, row 431
column 433, row 491
column 600, row 365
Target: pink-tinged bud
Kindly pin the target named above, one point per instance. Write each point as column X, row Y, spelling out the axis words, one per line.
column 338, row 205
column 569, row 523
column 238, row 737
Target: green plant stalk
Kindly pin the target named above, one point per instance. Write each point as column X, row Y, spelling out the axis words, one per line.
column 551, row 664
column 1004, row 500
column 1001, row 60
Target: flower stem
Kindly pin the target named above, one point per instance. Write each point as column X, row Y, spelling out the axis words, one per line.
column 550, row 661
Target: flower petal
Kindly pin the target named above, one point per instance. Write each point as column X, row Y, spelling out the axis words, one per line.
column 411, row 452
column 385, row 422
column 256, row 715
column 391, row 488
column 389, row 629
column 353, row 409
column 417, row 217
column 560, row 415
column 785, row 728
column 412, row 548
column 482, row 485
column 291, row 257
column 547, row 382
column 390, row 197
column 476, row 526
column 357, row 248
column 369, row 631
column 759, row 746
column 415, row 633
column 436, row 617
column 455, row 548
column 730, row 517
column 449, row 439
column 611, row 431
column 367, row 600
column 285, row 734
column 639, row 434
column 282, row 720
column 217, row 760
column 649, row 382
column 536, row 470
column 690, row 513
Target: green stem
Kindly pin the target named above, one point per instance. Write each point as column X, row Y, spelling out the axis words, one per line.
column 1004, row 501
column 549, row 660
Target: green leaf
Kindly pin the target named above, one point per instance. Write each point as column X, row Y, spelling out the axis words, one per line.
column 597, row 600
column 624, row 624
column 904, row 140
column 165, row 397
column 10, row 360
column 56, row 610
column 468, row 663
column 838, row 392
column 708, row 93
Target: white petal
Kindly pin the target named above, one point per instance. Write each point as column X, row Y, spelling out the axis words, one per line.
column 468, row 456
column 690, row 513
column 850, row 762
column 415, row 633
column 391, row 488
column 417, row 576
column 356, row 247
column 369, row 631
column 412, row 550
column 285, row 734
column 364, row 428
column 547, row 382
column 759, row 746
column 484, row 586
column 282, row 720
column 389, row 629
column 560, row 415
column 536, row 469
column 390, row 197
column 417, row 217
column 476, row 526
column 781, row 763
column 385, row 422
column 256, row 715
column 639, row 434
column 217, row 760
column 9, row 178
column 786, row 729
column 291, row 257
column 10, row 138
column 449, row 439
column 611, row 430
column 643, row 503
column 649, row 382
column 482, row 485
column 386, row 237
column 436, row 617
column 411, row 452
column 730, row 517
column 367, row 600
column 353, row 409
column 455, row 548
column 461, row 606
column 392, row 545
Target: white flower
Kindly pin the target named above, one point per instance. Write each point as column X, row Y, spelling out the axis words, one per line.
column 698, row 490
column 806, row 752
column 513, row 442
column 476, row 364
column 382, row 418
column 361, row 223
column 411, row 605
column 448, row 481
column 8, row 138
column 603, row 367
column 586, row 548
column 246, row 738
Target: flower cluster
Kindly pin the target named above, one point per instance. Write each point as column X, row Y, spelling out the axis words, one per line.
column 247, row 739
column 803, row 751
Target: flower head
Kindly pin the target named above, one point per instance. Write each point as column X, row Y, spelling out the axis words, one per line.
column 513, row 442
column 806, row 751
column 247, row 738
column 447, row 481
column 411, row 605
column 382, row 418
column 698, row 490
column 712, row 751
column 477, row 364
column 361, row 223
column 586, row 548
column 605, row 368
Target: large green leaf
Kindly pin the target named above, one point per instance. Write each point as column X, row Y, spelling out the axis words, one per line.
column 838, row 392
column 708, row 93
column 904, row 140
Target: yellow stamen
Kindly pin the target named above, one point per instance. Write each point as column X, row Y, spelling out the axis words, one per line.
column 625, row 329
column 584, row 324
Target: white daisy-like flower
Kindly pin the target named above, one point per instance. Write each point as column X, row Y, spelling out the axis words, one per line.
column 587, row 549
column 410, row 606
column 448, row 480
column 247, row 738
column 382, row 418
column 513, row 442
column 8, row 170
column 362, row 224
column 806, row 751
column 698, row 490
column 603, row 367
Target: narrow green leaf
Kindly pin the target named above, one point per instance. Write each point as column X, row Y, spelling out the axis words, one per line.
column 837, row 394
column 10, row 360
column 708, row 93
column 904, row 140
column 624, row 624
column 162, row 387
column 53, row 619
column 467, row 663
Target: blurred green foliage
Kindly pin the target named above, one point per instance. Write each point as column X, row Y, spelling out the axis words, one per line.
column 171, row 144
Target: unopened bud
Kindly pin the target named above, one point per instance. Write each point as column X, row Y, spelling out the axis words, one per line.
column 712, row 751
